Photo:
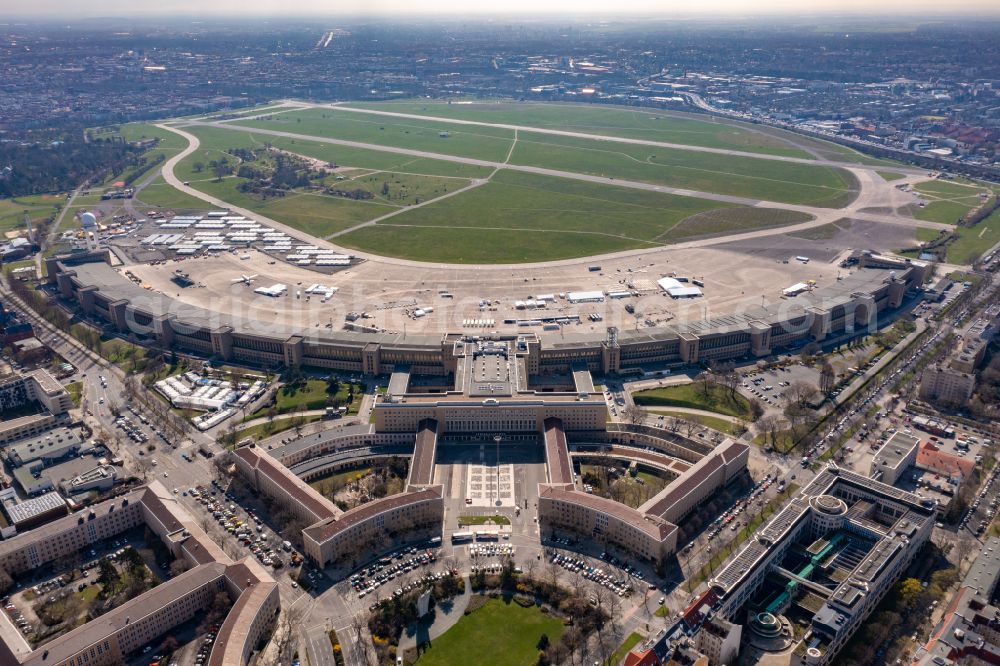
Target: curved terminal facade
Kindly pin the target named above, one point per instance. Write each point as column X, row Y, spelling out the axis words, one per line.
column 850, row 306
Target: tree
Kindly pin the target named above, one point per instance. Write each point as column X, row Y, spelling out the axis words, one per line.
column 827, row 377
column 634, row 414
column 198, row 167
column 543, row 642
column 169, row 646
column 910, row 590
column 6, row 582
column 107, row 576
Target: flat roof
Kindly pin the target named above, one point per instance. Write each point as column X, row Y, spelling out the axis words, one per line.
column 896, row 449
column 47, row 443
column 33, row 508
column 985, row 570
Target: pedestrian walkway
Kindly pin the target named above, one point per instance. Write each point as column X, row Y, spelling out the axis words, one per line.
column 447, row 614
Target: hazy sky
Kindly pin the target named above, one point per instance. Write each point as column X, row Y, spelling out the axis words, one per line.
column 460, row 8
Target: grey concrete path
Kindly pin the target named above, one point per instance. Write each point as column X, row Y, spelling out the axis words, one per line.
column 445, row 617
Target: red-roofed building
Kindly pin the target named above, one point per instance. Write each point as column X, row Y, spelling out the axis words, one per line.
column 644, row 658
column 933, row 459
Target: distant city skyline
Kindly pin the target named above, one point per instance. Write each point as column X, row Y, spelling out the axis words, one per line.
column 58, row 9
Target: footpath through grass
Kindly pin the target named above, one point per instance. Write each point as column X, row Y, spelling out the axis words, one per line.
column 500, row 633
column 713, row 398
column 722, row 425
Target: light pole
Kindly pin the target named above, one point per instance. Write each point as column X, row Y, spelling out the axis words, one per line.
column 497, row 438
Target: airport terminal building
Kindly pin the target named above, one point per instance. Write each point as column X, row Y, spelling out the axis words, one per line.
column 850, row 306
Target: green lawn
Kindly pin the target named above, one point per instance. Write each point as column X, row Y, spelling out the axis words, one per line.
column 499, row 633
column 739, row 176
column 750, row 177
column 75, row 390
column 162, row 195
column 408, row 180
column 312, row 395
column 340, row 478
column 39, row 207
column 618, row 655
column 526, row 217
column 479, row 142
column 784, row 440
column 971, row 243
column 722, row 425
column 264, row 430
column 948, row 201
column 609, row 120
column 482, row 520
column 691, row 395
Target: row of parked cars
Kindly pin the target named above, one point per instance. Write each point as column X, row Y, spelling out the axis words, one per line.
column 991, row 510
column 619, row 586
column 388, row 568
column 132, row 430
column 205, row 649
column 760, row 388
column 491, row 550
column 424, row 581
column 17, row 618
column 729, row 517
column 246, row 526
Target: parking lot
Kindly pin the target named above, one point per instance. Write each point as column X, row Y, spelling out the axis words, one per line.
column 244, row 525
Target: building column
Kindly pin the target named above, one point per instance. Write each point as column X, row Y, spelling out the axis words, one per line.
column 820, row 326
column 116, row 312
column 222, row 342
column 87, row 296
column 689, row 347
column 371, row 359
column 293, row 349
column 164, row 330
column 760, row 338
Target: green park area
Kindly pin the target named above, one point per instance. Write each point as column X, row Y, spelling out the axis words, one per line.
column 890, row 176
column 971, row 242
column 501, row 633
column 754, row 178
column 519, row 217
column 472, row 141
column 711, row 397
column 162, row 195
column 768, row 180
column 484, row 520
column 311, row 394
column 39, row 207
column 627, row 122
column 273, row 427
column 714, row 422
column 947, row 201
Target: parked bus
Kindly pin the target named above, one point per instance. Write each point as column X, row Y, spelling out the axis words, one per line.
column 462, row 537
column 487, row 536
